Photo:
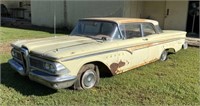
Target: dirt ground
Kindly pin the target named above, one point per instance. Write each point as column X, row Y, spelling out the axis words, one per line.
column 5, row 48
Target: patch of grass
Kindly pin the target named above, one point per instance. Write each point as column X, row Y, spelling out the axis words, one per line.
column 173, row 82
column 12, row 34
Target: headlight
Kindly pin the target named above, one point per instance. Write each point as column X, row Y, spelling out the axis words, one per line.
column 12, row 53
column 54, row 67
column 46, row 66
column 16, row 54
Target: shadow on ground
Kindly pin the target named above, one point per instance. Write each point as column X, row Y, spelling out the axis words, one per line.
column 12, row 79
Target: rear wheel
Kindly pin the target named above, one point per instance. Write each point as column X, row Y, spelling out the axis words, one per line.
column 88, row 77
column 163, row 56
column 185, row 45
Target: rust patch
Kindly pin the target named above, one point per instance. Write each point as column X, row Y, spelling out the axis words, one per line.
column 142, row 64
column 116, row 71
column 115, row 66
column 121, row 64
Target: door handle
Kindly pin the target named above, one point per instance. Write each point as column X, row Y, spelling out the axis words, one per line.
column 145, row 39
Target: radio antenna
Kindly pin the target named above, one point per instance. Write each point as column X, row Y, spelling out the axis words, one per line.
column 54, row 19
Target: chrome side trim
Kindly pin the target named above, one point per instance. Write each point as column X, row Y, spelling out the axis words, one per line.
column 122, row 49
column 77, row 57
column 17, row 67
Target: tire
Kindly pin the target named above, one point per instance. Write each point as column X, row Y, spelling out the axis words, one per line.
column 185, row 46
column 164, row 55
column 88, row 77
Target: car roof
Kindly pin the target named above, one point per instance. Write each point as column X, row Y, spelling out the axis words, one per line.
column 122, row 20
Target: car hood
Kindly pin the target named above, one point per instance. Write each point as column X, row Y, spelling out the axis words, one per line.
column 60, row 46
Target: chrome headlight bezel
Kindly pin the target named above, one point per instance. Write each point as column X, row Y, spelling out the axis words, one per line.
column 13, row 52
column 16, row 54
column 53, row 66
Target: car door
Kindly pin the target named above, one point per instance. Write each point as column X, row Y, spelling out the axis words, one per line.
column 135, row 49
column 150, row 36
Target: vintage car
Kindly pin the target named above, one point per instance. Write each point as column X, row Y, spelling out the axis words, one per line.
column 95, row 47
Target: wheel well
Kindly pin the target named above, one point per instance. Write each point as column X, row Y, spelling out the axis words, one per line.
column 170, row 50
column 104, row 71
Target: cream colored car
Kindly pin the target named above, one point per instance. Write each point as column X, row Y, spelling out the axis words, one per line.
column 95, row 47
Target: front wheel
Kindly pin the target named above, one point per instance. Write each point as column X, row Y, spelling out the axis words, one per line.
column 88, row 77
column 163, row 56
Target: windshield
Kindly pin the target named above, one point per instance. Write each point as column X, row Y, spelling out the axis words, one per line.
column 96, row 30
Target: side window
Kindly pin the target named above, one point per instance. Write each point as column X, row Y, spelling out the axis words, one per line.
column 148, row 29
column 131, row 30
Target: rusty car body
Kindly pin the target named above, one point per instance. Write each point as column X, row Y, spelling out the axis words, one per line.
column 96, row 46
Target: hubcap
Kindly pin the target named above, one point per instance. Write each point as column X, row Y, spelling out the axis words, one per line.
column 185, row 45
column 164, row 56
column 88, row 79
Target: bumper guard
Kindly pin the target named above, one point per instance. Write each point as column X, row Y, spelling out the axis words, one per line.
column 17, row 67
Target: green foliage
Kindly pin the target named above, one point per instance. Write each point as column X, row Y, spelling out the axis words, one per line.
column 173, row 82
column 10, row 34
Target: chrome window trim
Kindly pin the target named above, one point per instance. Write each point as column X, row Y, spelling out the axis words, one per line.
column 123, row 24
column 154, row 29
column 141, row 30
column 121, row 35
column 112, row 36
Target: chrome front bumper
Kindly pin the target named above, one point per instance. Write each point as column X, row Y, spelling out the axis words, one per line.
column 52, row 81
column 17, row 67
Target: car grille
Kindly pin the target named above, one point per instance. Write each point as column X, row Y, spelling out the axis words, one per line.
column 24, row 54
column 36, row 63
column 21, row 57
column 18, row 55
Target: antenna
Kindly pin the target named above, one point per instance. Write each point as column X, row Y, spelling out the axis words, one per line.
column 54, row 19
column 54, row 25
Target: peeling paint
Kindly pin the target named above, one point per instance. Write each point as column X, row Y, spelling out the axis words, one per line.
column 115, row 66
column 135, row 66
